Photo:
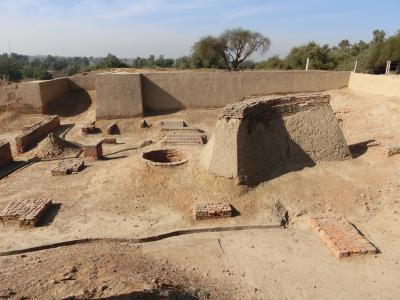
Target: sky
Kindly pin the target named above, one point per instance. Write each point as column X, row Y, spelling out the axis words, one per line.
column 131, row 28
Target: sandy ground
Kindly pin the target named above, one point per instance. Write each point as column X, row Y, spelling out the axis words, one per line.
column 124, row 197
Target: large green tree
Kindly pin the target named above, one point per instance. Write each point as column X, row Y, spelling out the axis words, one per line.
column 232, row 48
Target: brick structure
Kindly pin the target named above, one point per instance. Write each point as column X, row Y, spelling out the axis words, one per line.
column 172, row 124
column 109, row 141
column 94, row 150
column 35, row 133
column 341, row 237
column 112, row 129
column 26, row 212
column 5, row 153
column 90, row 128
column 212, row 210
column 185, row 139
column 67, row 167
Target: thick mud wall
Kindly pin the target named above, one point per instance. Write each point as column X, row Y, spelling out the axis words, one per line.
column 375, row 84
column 177, row 90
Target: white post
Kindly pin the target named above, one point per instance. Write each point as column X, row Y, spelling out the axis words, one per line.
column 388, row 67
column 308, row 62
column 355, row 66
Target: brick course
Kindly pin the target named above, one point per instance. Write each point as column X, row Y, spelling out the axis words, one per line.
column 341, row 237
column 67, row 167
column 212, row 210
column 26, row 212
column 35, row 133
column 93, row 150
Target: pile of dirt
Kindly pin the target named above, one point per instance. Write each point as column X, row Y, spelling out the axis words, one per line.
column 55, row 147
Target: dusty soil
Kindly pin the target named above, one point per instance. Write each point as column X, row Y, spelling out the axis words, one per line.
column 122, row 196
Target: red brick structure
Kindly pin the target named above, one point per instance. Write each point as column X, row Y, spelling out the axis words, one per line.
column 212, row 210
column 67, row 167
column 341, row 237
column 94, row 150
column 5, row 153
column 35, row 133
column 26, row 212
column 90, row 128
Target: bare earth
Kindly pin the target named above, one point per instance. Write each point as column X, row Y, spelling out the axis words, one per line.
column 123, row 197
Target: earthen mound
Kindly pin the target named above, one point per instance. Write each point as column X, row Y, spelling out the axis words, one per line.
column 259, row 139
column 55, row 147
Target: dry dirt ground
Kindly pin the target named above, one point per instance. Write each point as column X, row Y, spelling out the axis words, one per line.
column 123, row 197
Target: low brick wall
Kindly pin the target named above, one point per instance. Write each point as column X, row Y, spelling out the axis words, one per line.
column 5, row 153
column 35, row 133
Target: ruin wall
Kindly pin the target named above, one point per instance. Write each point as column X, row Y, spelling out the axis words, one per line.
column 5, row 153
column 176, row 90
column 35, row 133
column 375, row 84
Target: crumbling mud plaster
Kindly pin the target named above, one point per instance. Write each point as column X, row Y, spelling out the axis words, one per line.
column 259, row 139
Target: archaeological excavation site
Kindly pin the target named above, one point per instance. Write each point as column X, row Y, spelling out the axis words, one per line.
column 200, row 185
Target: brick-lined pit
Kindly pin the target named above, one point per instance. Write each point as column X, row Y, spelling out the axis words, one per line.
column 5, row 153
column 212, row 210
column 165, row 157
column 35, row 133
column 25, row 212
column 341, row 237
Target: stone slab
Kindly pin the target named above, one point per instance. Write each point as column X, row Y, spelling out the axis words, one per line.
column 341, row 237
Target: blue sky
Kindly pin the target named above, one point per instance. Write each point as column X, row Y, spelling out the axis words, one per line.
column 130, row 28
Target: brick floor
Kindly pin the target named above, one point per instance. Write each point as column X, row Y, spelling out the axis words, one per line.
column 26, row 212
column 66, row 167
column 172, row 124
column 184, row 139
column 341, row 237
column 212, row 210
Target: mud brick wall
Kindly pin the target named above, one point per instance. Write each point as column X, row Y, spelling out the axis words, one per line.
column 5, row 153
column 36, row 133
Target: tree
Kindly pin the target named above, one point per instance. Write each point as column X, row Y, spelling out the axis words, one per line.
column 344, row 44
column 208, row 52
column 111, row 61
column 9, row 69
column 231, row 48
column 274, row 62
column 239, row 44
column 378, row 36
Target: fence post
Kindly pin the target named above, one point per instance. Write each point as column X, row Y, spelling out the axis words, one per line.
column 388, row 67
column 308, row 62
column 355, row 66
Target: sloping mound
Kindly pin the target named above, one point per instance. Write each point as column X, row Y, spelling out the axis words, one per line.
column 55, row 147
column 259, row 139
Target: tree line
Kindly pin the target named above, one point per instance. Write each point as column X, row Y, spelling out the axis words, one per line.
column 230, row 50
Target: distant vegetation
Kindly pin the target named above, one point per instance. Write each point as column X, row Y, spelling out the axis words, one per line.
column 231, row 50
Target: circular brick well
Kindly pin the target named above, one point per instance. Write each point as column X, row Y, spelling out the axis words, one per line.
column 165, row 157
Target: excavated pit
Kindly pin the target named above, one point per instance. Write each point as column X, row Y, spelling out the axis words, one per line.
column 165, row 157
